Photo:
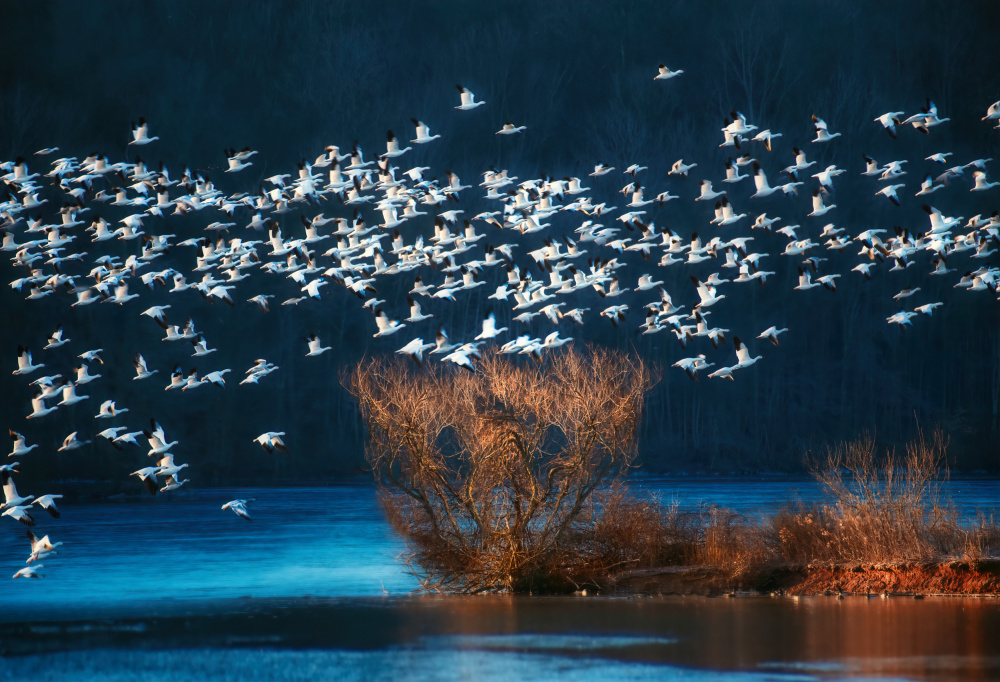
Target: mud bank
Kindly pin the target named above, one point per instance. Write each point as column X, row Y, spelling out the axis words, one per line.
column 968, row 578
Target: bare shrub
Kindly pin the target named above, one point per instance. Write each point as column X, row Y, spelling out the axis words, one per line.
column 883, row 509
column 488, row 475
column 639, row 533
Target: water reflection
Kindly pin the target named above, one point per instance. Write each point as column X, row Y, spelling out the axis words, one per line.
column 494, row 638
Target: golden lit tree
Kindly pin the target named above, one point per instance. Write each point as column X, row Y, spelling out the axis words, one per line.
column 488, row 475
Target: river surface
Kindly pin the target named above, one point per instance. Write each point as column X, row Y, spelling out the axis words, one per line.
column 173, row 587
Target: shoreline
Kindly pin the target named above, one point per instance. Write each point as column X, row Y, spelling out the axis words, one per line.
column 946, row 577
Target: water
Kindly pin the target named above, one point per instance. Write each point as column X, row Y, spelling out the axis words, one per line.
column 174, row 588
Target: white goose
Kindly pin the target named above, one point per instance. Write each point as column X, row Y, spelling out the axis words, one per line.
column 11, row 497
column 239, row 507
column 386, row 325
column 108, row 410
column 69, row 396
column 468, row 99
column 24, row 364
column 48, row 503
column 140, row 133
column 41, row 547
column 771, row 334
column 38, row 408
column 415, row 350
column 510, row 129
column 71, row 442
column 271, row 441
column 423, row 133
column 158, row 444
column 490, row 330
column 822, row 132
column 20, row 446
column 664, row 73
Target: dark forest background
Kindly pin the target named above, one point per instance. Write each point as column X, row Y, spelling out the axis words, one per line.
column 289, row 78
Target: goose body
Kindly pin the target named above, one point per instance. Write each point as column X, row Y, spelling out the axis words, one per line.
column 468, row 99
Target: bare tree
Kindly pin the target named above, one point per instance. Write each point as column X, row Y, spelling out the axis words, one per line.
column 487, row 475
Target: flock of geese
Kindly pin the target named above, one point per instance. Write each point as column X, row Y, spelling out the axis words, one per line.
column 250, row 254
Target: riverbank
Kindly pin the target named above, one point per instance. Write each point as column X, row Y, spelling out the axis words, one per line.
column 946, row 577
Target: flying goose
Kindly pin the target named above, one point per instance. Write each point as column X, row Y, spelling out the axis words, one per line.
column 24, row 365
column 386, row 325
column 71, row 442
column 510, row 129
column 239, row 507
column 47, row 502
column 664, row 73
column 468, row 99
column 140, row 133
column 271, row 441
column 20, row 447
column 771, row 334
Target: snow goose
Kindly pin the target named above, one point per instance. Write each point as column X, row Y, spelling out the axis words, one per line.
column 141, row 370
column 771, row 334
column 691, row 366
column 680, row 168
column 69, row 396
column 108, row 410
column 71, row 442
column 981, row 182
column 664, row 73
column 822, row 132
column 148, row 477
column 316, row 345
column 707, row 193
column 743, row 354
column 271, row 441
column 140, row 133
column 41, row 547
column 765, row 136
column 171, row 482
column 928, row 308
column 24, row 365
column 819, row 207
column 510, row 129
column 889, row 121
column 733, row 172
column 889, row 192
column 235, row 161
column 11, row 497
column 902, row 318
column 463, row 358
column 392, row 149
column 47, row 502
column 415, row 350
column 927, row 186
column 385, row 324
column 468, row 99
column 239, row 507
column 158, row 444
column 38, row 408
column 20, row 446
column 200, row 346
column 29, row 572
column 490, row 329
column 56, row 338
column 706, row 292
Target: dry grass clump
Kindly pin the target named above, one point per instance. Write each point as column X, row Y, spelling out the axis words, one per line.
column 489, row 475
column 886, row 509
column 882, row 509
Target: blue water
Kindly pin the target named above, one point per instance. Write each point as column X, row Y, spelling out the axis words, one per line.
column 173, row 587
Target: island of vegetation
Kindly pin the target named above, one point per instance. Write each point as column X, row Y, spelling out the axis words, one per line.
column 512, row 478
